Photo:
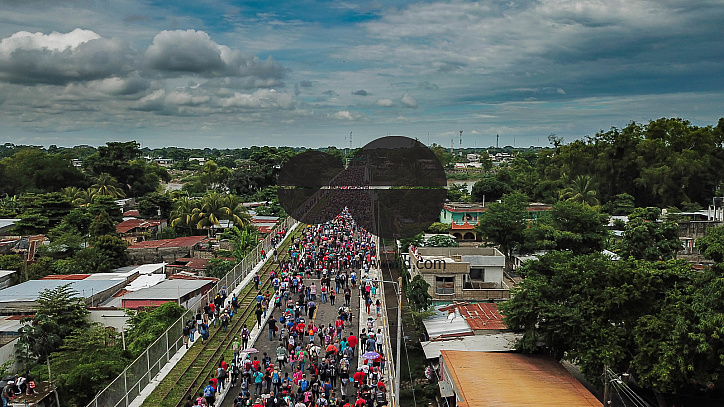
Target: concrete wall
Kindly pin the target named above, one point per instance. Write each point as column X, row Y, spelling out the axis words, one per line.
column 157, row 255
column 7, row 353
column 115, row 318
column 696, row 229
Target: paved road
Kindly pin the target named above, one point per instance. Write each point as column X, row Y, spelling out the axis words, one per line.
column 325, row 314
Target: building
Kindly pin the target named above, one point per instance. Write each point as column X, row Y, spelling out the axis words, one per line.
column 464, row 217
column 93, row 288
column 500, row 379
column 6, row 225
column 461, row 273
column 138, row 230
column 182, row 291
column 165, row 250
column 8, row 278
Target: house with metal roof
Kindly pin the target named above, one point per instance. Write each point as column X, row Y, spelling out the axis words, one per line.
column 500, row 379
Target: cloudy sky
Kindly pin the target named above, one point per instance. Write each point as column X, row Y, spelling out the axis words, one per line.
column 203, row 73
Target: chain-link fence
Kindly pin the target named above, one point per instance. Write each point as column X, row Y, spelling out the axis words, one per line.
column 129, row 384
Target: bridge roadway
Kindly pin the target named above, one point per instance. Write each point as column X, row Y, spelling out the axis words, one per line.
column 325, row 314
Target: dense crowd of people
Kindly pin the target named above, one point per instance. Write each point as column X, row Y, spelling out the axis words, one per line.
column 315, row 362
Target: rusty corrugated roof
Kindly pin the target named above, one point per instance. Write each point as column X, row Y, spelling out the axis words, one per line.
column 510, row 379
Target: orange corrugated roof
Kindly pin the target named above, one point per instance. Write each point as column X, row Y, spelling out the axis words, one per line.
column 131, row 224
column 177, row 242
column 69, row 277
column 510, row 379
column 479, row 316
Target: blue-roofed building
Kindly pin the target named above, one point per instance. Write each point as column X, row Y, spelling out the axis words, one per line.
column 20, row 299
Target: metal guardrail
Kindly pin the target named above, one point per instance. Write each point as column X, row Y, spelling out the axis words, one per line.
column 134, row 378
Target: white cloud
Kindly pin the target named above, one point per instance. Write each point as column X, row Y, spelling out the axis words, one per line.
column 60, row 58
column 261, row 99
column 194, row 52
column 385, row 102
column 408, row 101
column 346, row 115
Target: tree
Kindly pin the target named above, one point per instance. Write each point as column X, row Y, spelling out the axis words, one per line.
column 416, row 240
column 622, row 204
column 33, row 170
column 417, row 294
column 711, row 246
column 504, row 223
column 209, row 211
column 102, row 225
column 438, row 227
column 581, row 190
column 458, row 193
column 571, row 226
column 42, row 212
column 646, row 237
column 490, row 189
column 150, row 205
column 88, row 360
column 631, row 315
column 105, row 184
column 146, row 325
column 59, row 312
column 441, row 241
column 121, row 160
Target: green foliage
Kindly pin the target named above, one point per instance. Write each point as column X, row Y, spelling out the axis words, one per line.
column 121, row 160
column 149, row 205
column 632, row 315
column 438, row 227
column 59, row 312
column 32, row 170
column 490, row 189
column 243, row 240
column 9, row 206
column 102, row 225
column 504, row 223
column 86, row 362
column 712, row 244
column 219, row 267
column 417, row 294
column 441, row 241
column 572, row 226
column 146, row 325
column 105, row 185
column 581, row 190
column 107, row 204
column 663, row 163
column 442, row 154
column 10, row 262
column 193, row 214
column 458, row 193
column 622, row 204
column 416, row 240
column 42, row 212
column 646, row 237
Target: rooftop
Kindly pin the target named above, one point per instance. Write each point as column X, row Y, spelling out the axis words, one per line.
column 498, row 342
column 510, row 379
column 167, row 290
column 29, row 290
column 130, row 224
column 177, row 242
column 480, row 316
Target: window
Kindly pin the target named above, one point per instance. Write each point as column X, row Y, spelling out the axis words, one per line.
column 444, row 285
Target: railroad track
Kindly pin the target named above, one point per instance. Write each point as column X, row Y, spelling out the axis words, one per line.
column 194, row 377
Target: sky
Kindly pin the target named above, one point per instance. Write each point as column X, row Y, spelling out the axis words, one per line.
column 232, row 74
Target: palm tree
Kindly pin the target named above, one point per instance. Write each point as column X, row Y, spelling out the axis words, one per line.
column 182, row 214
column 105, row 184
column 581, row 190
column 216, row 207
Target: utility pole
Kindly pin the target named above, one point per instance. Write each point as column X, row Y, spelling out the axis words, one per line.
column 399, row 341
column 606, row 384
